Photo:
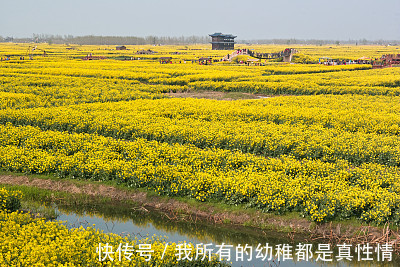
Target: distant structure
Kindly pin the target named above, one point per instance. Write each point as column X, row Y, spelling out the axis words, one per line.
column 221, row 41
column 286, row 54
column 121, row 47
column 390, row 60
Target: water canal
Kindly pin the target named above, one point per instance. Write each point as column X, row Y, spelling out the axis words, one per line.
column 142, row 223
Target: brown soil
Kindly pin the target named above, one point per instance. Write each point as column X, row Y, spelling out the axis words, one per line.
column 217, row 95
column 177, row 210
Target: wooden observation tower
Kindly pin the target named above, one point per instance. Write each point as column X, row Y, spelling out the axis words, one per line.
column 221, row 41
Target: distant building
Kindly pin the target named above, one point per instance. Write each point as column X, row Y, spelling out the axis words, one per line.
column 121, row 47
column 390, row 60
column 221, row 41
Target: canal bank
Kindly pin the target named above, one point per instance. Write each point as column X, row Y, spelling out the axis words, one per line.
column 255, row 226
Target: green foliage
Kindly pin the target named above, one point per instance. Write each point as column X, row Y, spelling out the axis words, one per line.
column 10, row 201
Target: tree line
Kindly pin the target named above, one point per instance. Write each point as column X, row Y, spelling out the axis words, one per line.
column 171, row 40
column 109, row 40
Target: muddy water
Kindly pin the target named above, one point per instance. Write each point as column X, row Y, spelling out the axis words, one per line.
column 143, row 223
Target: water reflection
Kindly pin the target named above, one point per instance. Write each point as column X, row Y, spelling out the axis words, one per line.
column 125, row 219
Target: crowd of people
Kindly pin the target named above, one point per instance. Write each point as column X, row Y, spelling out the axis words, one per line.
column 333, row 62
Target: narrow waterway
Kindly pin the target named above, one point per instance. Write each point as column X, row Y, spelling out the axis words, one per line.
column 142, row 223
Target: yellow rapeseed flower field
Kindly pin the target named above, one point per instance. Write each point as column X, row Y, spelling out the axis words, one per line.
column 325, row 142
column 25, row 241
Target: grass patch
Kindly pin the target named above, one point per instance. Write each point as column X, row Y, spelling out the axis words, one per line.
column 39, row 209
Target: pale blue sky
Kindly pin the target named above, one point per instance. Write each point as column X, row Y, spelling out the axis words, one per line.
column 248, row 19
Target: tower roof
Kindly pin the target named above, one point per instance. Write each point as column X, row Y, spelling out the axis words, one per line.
column 218, row 34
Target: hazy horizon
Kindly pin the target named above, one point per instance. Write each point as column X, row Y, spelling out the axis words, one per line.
column 249, row 20
column 51, row 35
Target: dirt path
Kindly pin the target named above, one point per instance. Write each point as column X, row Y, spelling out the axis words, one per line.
column 217, row 95
column 174, row 209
